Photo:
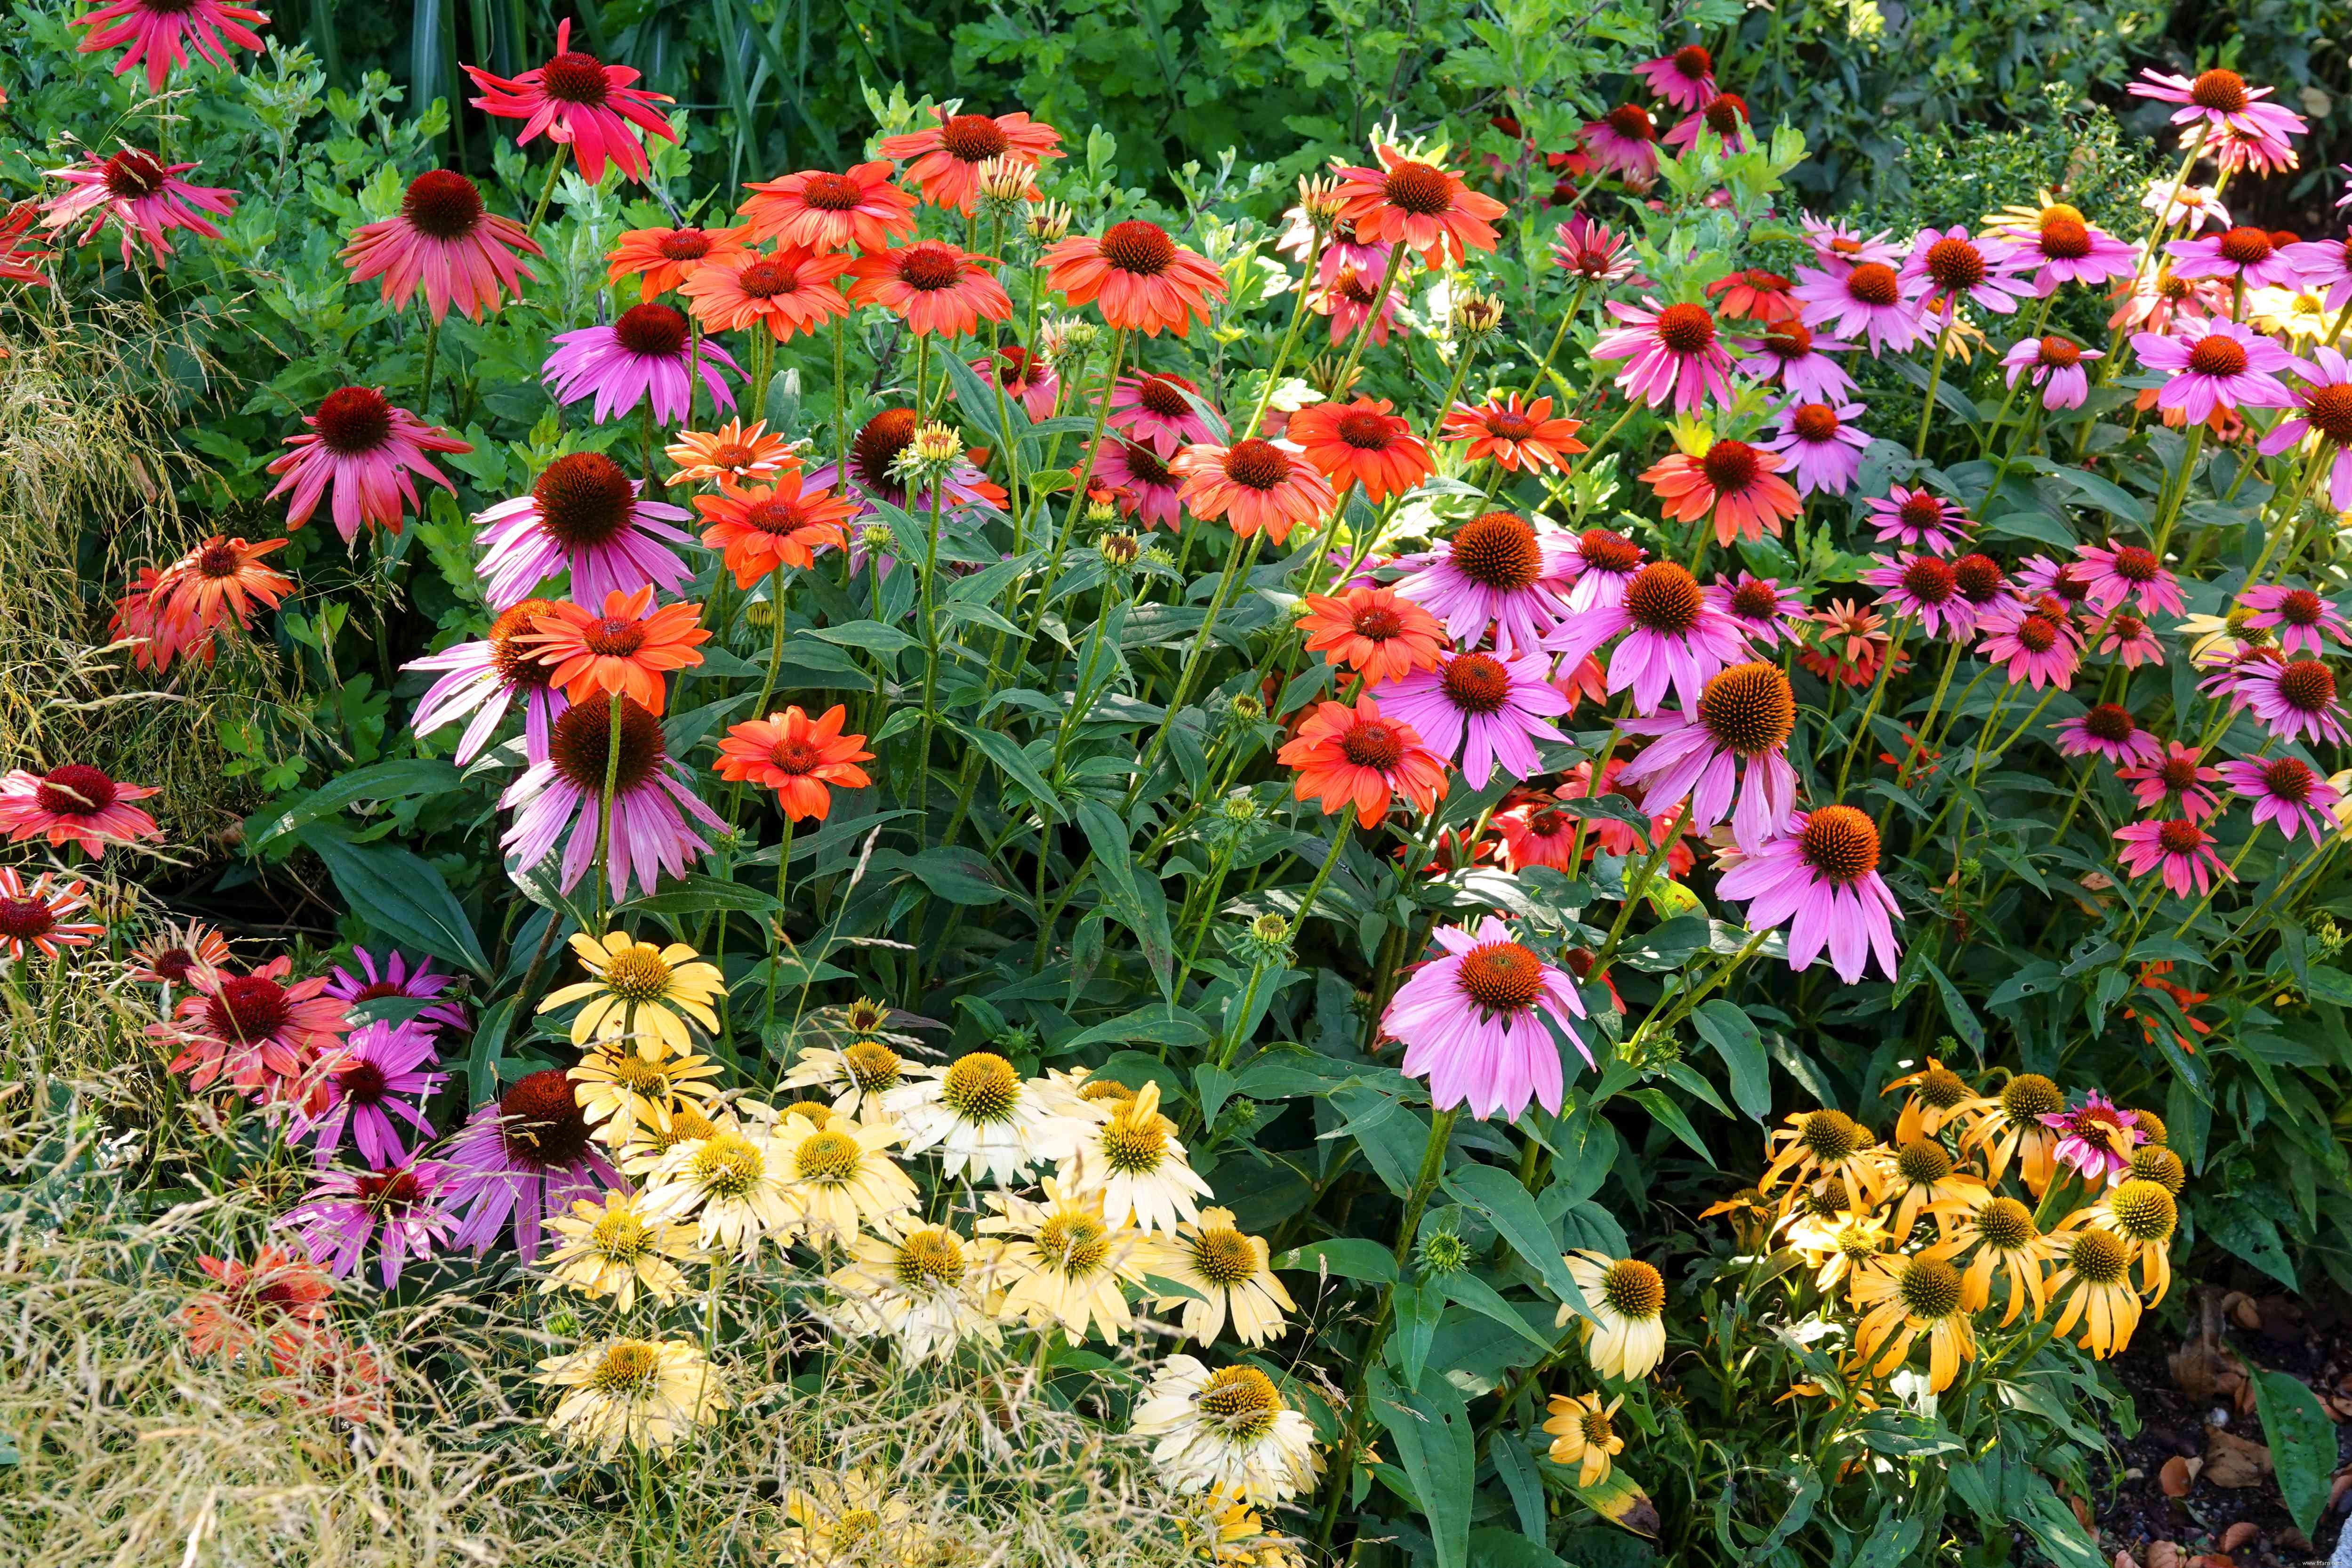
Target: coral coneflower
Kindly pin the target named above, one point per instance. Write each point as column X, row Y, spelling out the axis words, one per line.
column 158, row 33
column 74, row 803
column 1378, row 633
column 1673, row 637
column 646, row 355
column 1867, row 300
column 651, row 800
column 2108, row 730
column 255, row 1031
column 1914, row 520
column 623, row 650
column 2294, row 700
column 485, row 678
column 1157, row 411
column 2055, row 365
column 1256, row 486
column 1478, row 1023
column 1820, row 444
column 138, row 194
column 399, row 977
column 948, row 156
column 1600, row 562
column 1364, row 443
column 2228, row 117
column 1139, row 279
column 279, row 1289
column 1736, row 485
column 804, row 759
column 862, row 208
column 1517, row 435
column 661, row 258
column 2217, row 365
column 1497, row 571
column 1409, row 201
column 360, row 452
column 2181, row 849
column 1625, row 140
column 38, row 917
column 381, row 1071
column 789, row 292
column 1925, row 589
column 1728, row 754
column 1147, row 488
column 1353, row 757
column 19, row 262
column 522, row 1159
column 1594, row 252
column 444, row 239
column 762, row 527
column 1028, row 379
column 1685, row 78
column 1851, row 641
column 1797, row 357
column 730, row 452
column 582, row 103
column 2286, row 791
column 2322, row 409
column 176, row 954
column 403, row 1210
column 931, row 286
column 1822, row 882
column 1479, row 710
column 220, row 578
column 1671, row 351
column 585, row 516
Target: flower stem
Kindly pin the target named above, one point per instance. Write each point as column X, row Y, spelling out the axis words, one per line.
column 1236, row 563
column 1289, row 335
column 1870, row 710
column 1935, row 376
column 547, row 191
column 1543, row 366
column 1314, row 888
column 604, row 812
column 425, row 382
column 2178, row 492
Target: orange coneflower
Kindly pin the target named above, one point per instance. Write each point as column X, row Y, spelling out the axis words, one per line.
column 1352, row 757
column 1364, row 442
column 931, row 286
column 2008, row 1126
column 1734, row 481
column 175, row 954
column 762, row 527
column 1139, row 279
column 1255, row 485
column 948, row 156
column 1820, row 1146
column 1377, row 632
column 662, row 259
column 804, row 759
column 826, row 211
column 280, row 1286
column 1517, row 435
column 220, row 575
column 789, row 292
column 1909, row 1296
column 623, row 651
column 730, row 452
column 1418, row 204
column 1936, row 1095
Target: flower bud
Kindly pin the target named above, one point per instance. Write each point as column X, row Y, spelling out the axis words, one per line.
column 1047, row 221
column 1119, row 550
column 1476, row 316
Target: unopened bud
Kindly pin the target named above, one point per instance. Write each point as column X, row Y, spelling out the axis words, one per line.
column 1047, row 221
column 936, row 449
column 1318, row 198
column 759, row 612
column 1118, row 550
column 1249, row 711
column 1476, row 316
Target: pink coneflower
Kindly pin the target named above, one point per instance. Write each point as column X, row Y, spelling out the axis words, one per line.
column 361, row 450
column 1626, row 141
column 2324, row 408
column 1149, row 490
column 1768, row 613
column 484, row 678
column 381, row 1071
column 1476, row 710
column 1865, row 300
column 1346, row 303
column 1728, row 754
column 2070, row 248
column 1593, row 252
column 2131, row 639
column 1159, row 411
column 645, row 354
column 862, row 209
column 1946, row 266
column 523, row 1159
column 2178, row 775
column 1795, row 355
column 1674, row 636
column 1838, row 247
column 1255, row 486
column 1600, row 564
column 2303, row 621
column 1820, row 444
column 253, row 1031
column 2288, row 791
column 2230, row 117
column 344, row 1211
column 2068, row 582
column 1495, row 571
column 443, row 237
column 2242, row 255
column 141, row 195
column 37, row 919
column 2154, row 302
column 74, row 803
column 1028, row 379
column 582, row 103
column 1670, row 352
column 586, row 516
column 1726, row 114
column 2097, row 1138
column 2174, row 204
column 1821, row 880
column 1925, row 589
column 2055, row 365
column 160, row 32
column 2178, row 848
column 1685, row 78
column 2108, row 730
column 1735, row 484
column 652, row 800
column 2217, row 365
column 1478, row 1023
column 2130, row 573
column 2324, row 266
column 2040, row 648
column 1984, row 585
column 1915, row 519
column 2294, row 700
column 947, row 155
column 402, row 978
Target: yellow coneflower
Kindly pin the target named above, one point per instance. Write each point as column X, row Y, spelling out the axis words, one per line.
column 858, row 1076
column 2152, row 1130
column 841, row 1178
column 637, row 992
column 838, row 1520
column 1907, row 1297
column 1936, row 1095
column 985, row 1120
column 1584, row 1434
column 1131, row 1156
column 1236, row 1536
column 2155, row 1163
column 620, row 1087
column 927, row 1290
column 2144, row 1213
column 1819, row 1146
column 1227, row 1271
column 1751, row 1218
column 648, row 1394
column 650, row 1142
column 1626, row 1334
column 734, row 1184
column 2096, row 1283
column 1837, row 1246
column 613, row 1247
column 1064, row 1263
column 1921, row 1176
column 1229, row 1428
column 2008, row 1126
column 1998, row 1234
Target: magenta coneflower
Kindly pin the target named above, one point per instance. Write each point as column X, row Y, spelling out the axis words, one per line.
column 2178, row 775
column 2288, row 791
column 1593, row 252
column 2108, row 730
column 582, row 103
column 585, row 516
column 1769, row 613
column 1946, row 266
column 75, row 803
column 360, row 451
column 1671, row 351
column 1866, row 299
column 1673, row 637
column 1149, row 489
column 1479, row 1023
column 2229, row 117
column 381, row 1071
column 485, row 678
column 2303, row 621
column 2069, row 248
column 2067, row 581
column 1159, row 411
column 1984, row 585
column 2040, row 648
column 2131, row 639
column 1821, row 880
column 651, row 802
column 523, row 1159
column 1925, row 589
column 1625, row 140
column 1917, row 520
column 1793, row 355
column 2096, row 1138
column 1600, row 563
column 2130, row 573
column 2217, row 365
column 2055, row 365
column 141, row 195
column 1685, row 78
column 160, row 32
column 345, row 1210
column 2178, row 848
column 1838, row 246
column 1726, row 114
column 2325, row 266
column 1494, row 571
column 398, row 976
column 1728, row 754
column 2244, row 254
column 445, row 238
column 254, row 1031
column 1475, row 710
column 644, row 354
column 2294, row 699
column 1820, row 444
column 2324, row 408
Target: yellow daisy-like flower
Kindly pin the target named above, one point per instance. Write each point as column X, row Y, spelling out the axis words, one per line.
column 611, row 1248
column 1228, row 1272
column 1907, row 1297
column 927, row 1290
column 2008, row 1126
column 1820, row 1146
column 1064, row 1263
column 637, row 992
column 1626, row 1335
column 1920, row 1177
column 984, row 1119
column 651, row 1140
column 620, row 1087
column 1837, row 1246
column 736, row 1185
column 1936, row 1095
column 2095, row 1285
column 1236, row 1536
column 1134, row 1159
column 2001, row 1235
column 1229, row 1429
column 2145, row 1216
column 841, row 1178
column 1584, row 1434
column 838, row 1520
column 648, row 1394
column 2215, row 641
column 857, row 1075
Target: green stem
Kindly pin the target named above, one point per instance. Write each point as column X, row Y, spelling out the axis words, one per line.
column 1314, row 888
column 547, row 191
column 604, row 812
column 425, row 382
column 1558, row 336
column 1290, row 334
column 1870, row 710
column 1371, row 319
column 1236, row 563
column 1934, row 375
column 2177, row 493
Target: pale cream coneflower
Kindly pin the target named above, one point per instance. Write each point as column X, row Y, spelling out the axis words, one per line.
column 857, row 1075
column 1837, row 1246
column 734, row 1184
column 984, row 1121
column 646, row 1394
column 615, row 1248
column 620, row 1087
column 1064, row 1263
column 1228, row 1274
column 833, row 1521
column 1229, row 1429
column 1129, row 1153
column 1625, row 1336
column 650, row 1141
column 840, row 1178
column 929, row 1289
column 1584, row 1434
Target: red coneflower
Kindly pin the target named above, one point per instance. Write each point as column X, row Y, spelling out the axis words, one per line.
column 360, row 451
column 220, row 576
column 1412, row 202
column 948, row 156
column 257, row 1033
column 863, row 208
column 1754, row 294
column 160, row 31
column 281, row 1287
column 140, row 194
column 1517, row 435
column 74, row 803
column 789, row 293
column 1738, row 484
column 762, row 527
column 444, row 237
column 623, row 651
column 1257, row 486
column 37, row 919
column 20, row 263
column 175, row 954
column 804, row 759
column 931, row 286
column 1351, row 757
column 1139, row 279
column 662, row 259
column 582, row 103
column 1377, row 632
column 1363, row 442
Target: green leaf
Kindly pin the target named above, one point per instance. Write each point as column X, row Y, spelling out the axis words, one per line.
column 383, row 781
column 1956, row 1009
column 1620, row 1500
column 1417, row 1306
column 1347, row 1257
column 1469, row 1290
column 1007, row 753
column 1491, row 1548
column 1891, row 1544
column 1108, row 836
column 1735, row 1039
column 401, row 895
column 871, row 635
column 959, row 875
column 2303, row 1444
column 2249, row 1233
column 1499, row 1199
column 701, row 894
column 1671, row 1114
column 1429, row 1432
column 1156, row 1025
column 2104, row 494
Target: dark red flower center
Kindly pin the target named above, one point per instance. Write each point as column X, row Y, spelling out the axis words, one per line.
column 930, row 266
column 2059, row 354
column 1604, row 550
column 1874, row 283
column 576, row 747
column 1377, row 623
column 1920, row 511
column 1142, row 249
column 974, row 139
column 1814, row 422
column 219, row 560
column 2218, row 355
column 768, row 279
column 174, row 964
column 25, row 920
column 1663, row 597
column 1789, row 340
column 376, row 992
column 131, row 175
column 1955, row 265
column 1725, row 114
column 1365, row 431
column 2108, row 721
column 574, row 78
column 2065, row 237
column 774, row 516
column 1501, row 976
column 540, row 1121
column 2136, row 564
column 1497, row 549
column 1506, row 426
column 1352, row 286
column 612, row 636
column 1978, row 577
column 2300, row 608
column 246, row 1008
column 1164, row 395
column 361, row 1082
column 1422, row 189
column 2288, row 780
column 442, row 204
column 75, row 790
column 1144, row 465
column 1256, row 465
column 655, row 331
column 877, row 445
column 2179, row 771
column 796, row 757
column 1748, row 708
column 393, row 1189
column 830, row 192
column 684, row 245
column 1731, row 465
column 2179, row 836
column 1632, row 122
column 2245, row 247
column 1930, row 581
column 1373, row 743
column 1840, row 842
column 584, row 500
column 2308, row 686
column 2223, row 91
column 2329, row 409
column 2127, row 628
column 1694, row 62
column 1686, row 328
column 2037, row 634
column 1476, row 683
column 353, row 421
column 518, row 665
column 1754, row 600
